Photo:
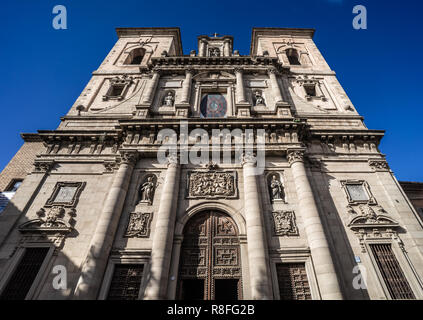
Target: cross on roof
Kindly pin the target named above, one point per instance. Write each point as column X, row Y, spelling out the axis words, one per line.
column 216, row 34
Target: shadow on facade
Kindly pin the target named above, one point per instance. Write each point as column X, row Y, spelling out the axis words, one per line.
column 29, row 273
column 341, row 250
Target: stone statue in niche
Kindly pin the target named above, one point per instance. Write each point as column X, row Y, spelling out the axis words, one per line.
column 276, row 189
column 259, row 98
column 147, row 190
column 169, row 99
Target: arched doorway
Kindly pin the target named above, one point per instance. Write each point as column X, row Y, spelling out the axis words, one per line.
column 210, row 263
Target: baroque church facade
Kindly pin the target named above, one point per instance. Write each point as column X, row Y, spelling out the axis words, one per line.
column 324, row 219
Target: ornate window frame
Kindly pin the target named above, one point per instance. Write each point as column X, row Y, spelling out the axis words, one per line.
column 365, row 185
column 42, row 274
column 125, row 257
column 71, row 204
column 118, row 81
column 297, row 255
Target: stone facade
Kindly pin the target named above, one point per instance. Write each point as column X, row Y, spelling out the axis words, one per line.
column 101, row 204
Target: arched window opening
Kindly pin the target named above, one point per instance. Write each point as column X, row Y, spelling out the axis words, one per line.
column 135, row 56
column 293, row 57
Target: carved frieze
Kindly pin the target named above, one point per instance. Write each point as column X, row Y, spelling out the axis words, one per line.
column 212, row 184
column 139, row 225
column 284, row 223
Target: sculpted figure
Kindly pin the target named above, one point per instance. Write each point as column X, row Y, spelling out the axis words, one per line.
column 147, row 190
column 276, row 189
column 168, row 100
column 259, row 98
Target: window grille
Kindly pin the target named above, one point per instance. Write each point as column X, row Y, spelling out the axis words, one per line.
column 126, row 282
column 23, row 277
column 392, row 274
column 293, row 282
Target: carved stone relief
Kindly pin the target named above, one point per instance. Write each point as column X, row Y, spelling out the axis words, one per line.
column 212, row 184
column 284, row 223
column 370, row 223
column 139, row 225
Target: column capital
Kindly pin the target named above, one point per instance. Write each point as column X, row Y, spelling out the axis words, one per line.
column 239, row 70
column 189, row 71
column 248, row 158
column 172, row 160
column 129, row 157
column 295, row 155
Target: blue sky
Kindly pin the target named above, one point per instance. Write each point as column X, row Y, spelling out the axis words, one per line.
column 44, row 70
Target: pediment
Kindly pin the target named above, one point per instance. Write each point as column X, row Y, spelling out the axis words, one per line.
column 362, row 221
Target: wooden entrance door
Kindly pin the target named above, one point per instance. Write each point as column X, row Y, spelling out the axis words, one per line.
column 210, row 264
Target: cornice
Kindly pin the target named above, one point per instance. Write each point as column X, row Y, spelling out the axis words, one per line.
column 217, row 62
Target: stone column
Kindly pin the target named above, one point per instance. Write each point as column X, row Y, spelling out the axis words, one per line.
column 275, row 86
column 240, row 93
column 161, row 250
column 94, row 265
column 229, row 99
column 226, row 48
column 151, row 88
column 202, row 49
column 258, row 256
column 186, row 86
column 319, row 247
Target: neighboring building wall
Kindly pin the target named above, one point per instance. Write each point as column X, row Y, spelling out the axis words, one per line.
column 21, row 164
column 414, row 191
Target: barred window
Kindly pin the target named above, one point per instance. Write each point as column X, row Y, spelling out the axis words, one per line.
column 126, row 282
column 27, row 270
column 392, row 274
column 293, row 282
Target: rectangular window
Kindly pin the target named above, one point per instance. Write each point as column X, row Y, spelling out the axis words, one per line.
column 392, row 274
column 126, row 282
column 293, row 282
column 310, row 90
column 27, row 270
column 14, row 185
column 357, row 192
column 116, row 91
